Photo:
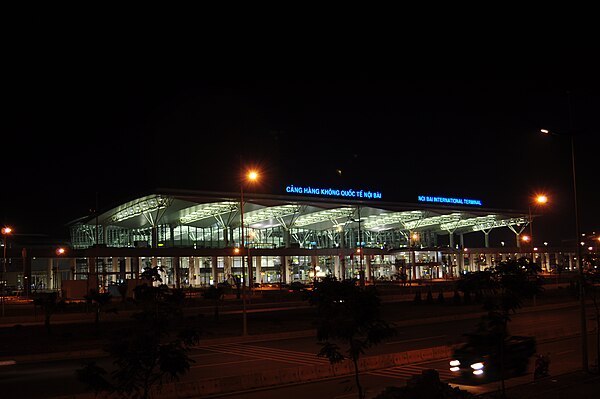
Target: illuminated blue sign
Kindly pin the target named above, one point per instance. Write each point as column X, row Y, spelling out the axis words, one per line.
column 445, row 200
column 331, row 192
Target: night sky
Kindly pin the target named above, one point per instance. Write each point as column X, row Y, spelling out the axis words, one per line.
column 73, row 136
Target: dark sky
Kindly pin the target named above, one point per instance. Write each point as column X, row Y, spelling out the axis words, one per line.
column 72, row 133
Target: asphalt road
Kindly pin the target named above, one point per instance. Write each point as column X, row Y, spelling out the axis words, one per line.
column 564, row 354
column 235, row 356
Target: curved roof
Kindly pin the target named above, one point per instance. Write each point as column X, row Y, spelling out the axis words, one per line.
column 204, row 209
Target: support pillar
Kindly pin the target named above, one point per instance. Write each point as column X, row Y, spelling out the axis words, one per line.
column 50, row 274
column 215, row 270
column 176, row 272
column 460, row 258
column 284, row 269
column 413, row 263
column 473, row 266
column 227, row 268
column 114, row 269
column 368, row 271
column 72, row 267
column 154, row 237
column 192, row 275
column 337, row 267
column 135, row 267
column 258, row 269
column 250, row 271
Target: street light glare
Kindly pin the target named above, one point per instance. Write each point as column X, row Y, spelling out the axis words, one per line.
column 6, row 230
column 545, row 131
column 541, row 199
column 252, row 175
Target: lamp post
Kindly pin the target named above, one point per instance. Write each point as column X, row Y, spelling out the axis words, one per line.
column 359, row 252
column 251, row 176
column 5, row 232
column 583, row 321
column 539, row 199
column 60, row 252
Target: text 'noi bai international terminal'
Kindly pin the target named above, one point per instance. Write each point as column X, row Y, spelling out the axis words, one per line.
column 201, row 238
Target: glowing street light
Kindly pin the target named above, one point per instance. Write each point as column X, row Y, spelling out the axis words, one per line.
column 60, row 252
column 6, row 231
column 251, row 176
column 539, row 199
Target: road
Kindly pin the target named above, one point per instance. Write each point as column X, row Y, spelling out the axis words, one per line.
column 236, row 356
column 564, row 354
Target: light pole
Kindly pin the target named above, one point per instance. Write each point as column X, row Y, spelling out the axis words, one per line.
column 539, row 199
column 5, row 232
column 251, row 176
column 359, row 253
column 583, row 321
column 60, row 252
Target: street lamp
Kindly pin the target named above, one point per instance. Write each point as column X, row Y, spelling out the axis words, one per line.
column 584, row 351
column 5, row 233
column 60, row 252
column 540, row 199
column 250, row 176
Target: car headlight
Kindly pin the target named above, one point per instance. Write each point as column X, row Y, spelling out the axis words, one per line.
column 455, row 368
column 477, row 366
column 478, row 372
column 454, row 363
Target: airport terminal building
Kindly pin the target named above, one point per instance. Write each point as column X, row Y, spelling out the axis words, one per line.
column 197, row 239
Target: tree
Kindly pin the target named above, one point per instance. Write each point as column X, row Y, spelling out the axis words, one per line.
column 153, row 350
column 50, row 304
column 216, row 295
column 100, row 300
column 348, row 321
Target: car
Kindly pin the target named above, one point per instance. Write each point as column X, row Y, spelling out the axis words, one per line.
column 482, row 358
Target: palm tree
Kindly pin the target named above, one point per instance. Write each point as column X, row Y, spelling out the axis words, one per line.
column 100, row 299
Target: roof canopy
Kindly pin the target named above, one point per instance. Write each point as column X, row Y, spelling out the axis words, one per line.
column 205, row 209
